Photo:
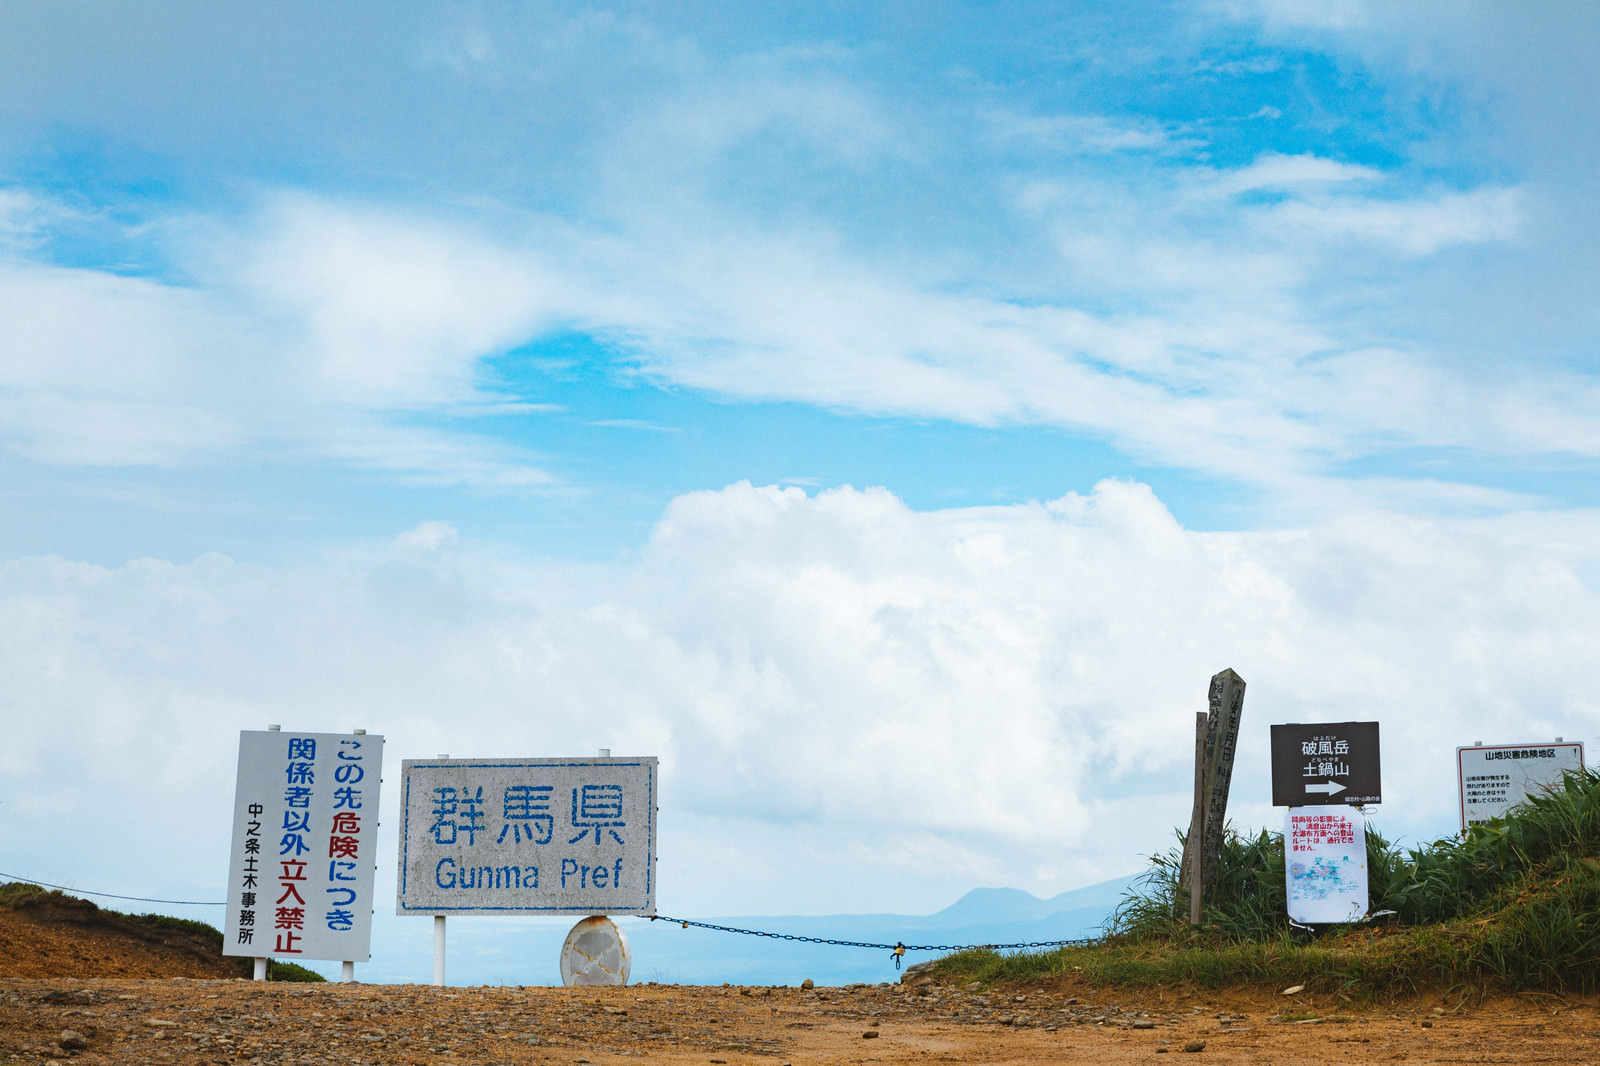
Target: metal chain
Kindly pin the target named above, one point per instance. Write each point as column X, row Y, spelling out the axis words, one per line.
column 113, row 895
column 898, row 949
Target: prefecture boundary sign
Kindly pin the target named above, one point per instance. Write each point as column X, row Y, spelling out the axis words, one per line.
column 305, row 829
column 1496, row 777
column 528, row 836
column 1332, row 763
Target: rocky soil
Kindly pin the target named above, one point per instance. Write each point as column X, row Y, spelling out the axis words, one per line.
column 193, row 1021
column 100, row 988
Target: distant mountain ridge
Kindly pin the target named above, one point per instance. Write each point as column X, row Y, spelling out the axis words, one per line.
column 509, row 951
column 982, row 916
column 1013, row 904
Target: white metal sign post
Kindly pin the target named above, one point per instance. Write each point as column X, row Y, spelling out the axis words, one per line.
column 1325, row 861
column 1496, row 777
column 526, row 836
column 305, row 829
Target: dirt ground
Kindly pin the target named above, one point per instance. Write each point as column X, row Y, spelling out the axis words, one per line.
column 193, row 1021
column 52, row 935
column 99, row 989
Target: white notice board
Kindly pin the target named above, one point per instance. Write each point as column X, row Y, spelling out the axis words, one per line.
column 528, row 836
column 1325, row 861
column 305, row 833
column 1496, row 777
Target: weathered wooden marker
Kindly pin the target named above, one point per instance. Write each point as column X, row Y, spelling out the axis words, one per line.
column 1216, row 740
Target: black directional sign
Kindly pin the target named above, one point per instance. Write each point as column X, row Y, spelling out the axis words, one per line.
column 1325, row 764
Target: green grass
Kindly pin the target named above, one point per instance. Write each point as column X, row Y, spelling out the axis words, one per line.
column 291, row 971
column 19, row 894
column 1513, row 905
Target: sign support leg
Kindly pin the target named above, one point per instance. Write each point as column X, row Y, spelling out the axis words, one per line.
column 1197, row 821
column 438, row 951
column 347, row 972
column 260, row 973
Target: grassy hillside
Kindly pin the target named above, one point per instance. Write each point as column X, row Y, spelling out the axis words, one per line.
column 133, row 931
column 1512, row 905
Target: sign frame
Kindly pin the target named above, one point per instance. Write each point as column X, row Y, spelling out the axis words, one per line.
column 1525, row 784
column 305, row 804
column 443, row 799
column 1325, row 864
column 1352, row 755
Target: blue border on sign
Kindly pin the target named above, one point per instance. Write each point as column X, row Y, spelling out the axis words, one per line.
column 643, row 908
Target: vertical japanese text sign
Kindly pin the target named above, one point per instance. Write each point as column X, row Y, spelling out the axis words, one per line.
column 305, row 831
column 527, row 836
column 1226, row 699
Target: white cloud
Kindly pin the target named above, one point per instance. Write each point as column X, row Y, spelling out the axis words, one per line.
column 1087, row 134
column 900, row 704
column 1275, row 171
column 393, row 311
column 311, row 331
column 315, row 325
column 1418, row 227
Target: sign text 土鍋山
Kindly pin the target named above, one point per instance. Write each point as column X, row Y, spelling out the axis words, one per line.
column 1332, row 763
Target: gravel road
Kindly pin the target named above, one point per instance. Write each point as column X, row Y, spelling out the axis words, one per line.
column 185, row 1021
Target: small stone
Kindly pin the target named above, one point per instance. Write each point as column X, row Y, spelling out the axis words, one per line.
column 1293, row 990
column 72, row 1040
column 1144, row 1025
column 1161, row 1051
column 808, row 983
column 1194, row 1045
column 870, row 1034
column 1427, row 1025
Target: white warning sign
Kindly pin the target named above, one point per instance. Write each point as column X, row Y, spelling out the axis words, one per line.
column 1325, row 861
column 1496, row 777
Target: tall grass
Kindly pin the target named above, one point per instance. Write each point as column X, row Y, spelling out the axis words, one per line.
column 1515, row 903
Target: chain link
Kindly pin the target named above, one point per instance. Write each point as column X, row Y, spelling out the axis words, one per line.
column 113, row 895
column 898, row 949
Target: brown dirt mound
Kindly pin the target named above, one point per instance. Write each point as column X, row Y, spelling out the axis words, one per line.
column 48, row 934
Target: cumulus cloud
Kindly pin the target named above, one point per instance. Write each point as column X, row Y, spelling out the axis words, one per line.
column 896, row 704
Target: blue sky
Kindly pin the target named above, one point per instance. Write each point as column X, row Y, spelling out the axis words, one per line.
column 836, row 401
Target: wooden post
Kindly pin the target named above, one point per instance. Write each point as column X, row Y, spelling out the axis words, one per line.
column 1226, row 697
column 1193, row 868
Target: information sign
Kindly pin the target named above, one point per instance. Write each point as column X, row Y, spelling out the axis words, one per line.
column 305, row 828
column 1496, row 777
column 1334, row 763
column 1325, row 861
column 528, row 836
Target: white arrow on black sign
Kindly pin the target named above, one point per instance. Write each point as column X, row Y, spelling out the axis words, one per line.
column 1327, row 787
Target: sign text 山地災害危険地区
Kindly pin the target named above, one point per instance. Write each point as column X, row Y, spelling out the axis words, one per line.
column 1494, row 778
